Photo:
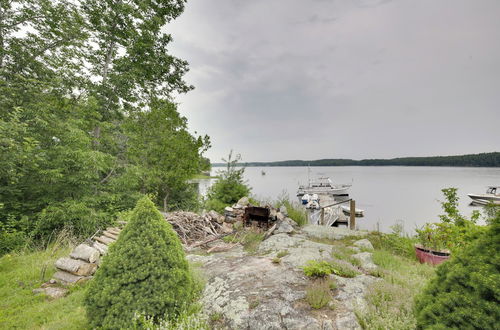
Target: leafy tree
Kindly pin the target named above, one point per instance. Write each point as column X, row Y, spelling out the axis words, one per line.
column 165, row 154
column 145, row 271
column 87, row 121
column 455, row 230
column 465, row 294
column 229, row 187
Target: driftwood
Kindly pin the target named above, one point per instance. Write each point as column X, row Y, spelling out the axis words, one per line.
column 193, row 228
column 270, row 231
column 85, row 253
column 207, row 241
column 76, row 267
column 221, row 247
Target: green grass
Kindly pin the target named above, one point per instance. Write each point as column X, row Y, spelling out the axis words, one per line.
column 390, row 302
column 345, row 253
column 21, row 309
column 318, row 294
column 282, row 254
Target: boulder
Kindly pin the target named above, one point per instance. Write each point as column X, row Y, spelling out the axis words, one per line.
column 232, row 287
column 52, row 292
column 280, row 216
column 216, row 216
column 283, row 210
column 292, row 222
column 364, row 244
column 333, row 233
column 244, row 201
column 284, row 227
column 366, row 260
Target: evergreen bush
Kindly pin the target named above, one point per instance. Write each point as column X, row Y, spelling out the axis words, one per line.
column 465, row 294
column 145, row 272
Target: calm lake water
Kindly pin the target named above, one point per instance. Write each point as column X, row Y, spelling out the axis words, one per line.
column 387, row 194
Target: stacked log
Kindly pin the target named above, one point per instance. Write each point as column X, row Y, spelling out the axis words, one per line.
column 84, row 260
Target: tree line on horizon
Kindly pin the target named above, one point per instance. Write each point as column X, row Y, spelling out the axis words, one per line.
column 491, row 159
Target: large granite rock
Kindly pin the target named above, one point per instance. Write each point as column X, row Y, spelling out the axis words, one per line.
column 332, row 233
column 363, row 244
column 253, row 293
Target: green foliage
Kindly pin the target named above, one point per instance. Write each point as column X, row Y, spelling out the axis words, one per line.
column 390, row 300
column 22, row 272
column 465, row 292
column 187, row 319
column 397, row 242
column 343, row 270
column 229, row 188
column 318, row 294
column 145, row 271
column 295, row 211
column 315, row 268
column 77, row 146
column 454, row 231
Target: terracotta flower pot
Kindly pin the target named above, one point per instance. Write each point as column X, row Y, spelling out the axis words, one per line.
column 430, row 256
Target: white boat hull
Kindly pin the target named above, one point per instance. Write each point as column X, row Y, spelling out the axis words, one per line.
column 485, row 197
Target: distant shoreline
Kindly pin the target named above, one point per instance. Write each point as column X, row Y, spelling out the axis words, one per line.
column 491, row 159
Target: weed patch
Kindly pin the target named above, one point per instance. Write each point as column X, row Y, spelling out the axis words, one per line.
column 318, row 295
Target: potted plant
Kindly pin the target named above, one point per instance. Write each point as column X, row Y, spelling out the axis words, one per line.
column 433, row 243
column 437, row 240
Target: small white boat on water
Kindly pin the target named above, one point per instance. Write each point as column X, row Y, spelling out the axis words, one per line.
column 324, row 186
column 357, row 212
column 311, row 201
column 492, row 195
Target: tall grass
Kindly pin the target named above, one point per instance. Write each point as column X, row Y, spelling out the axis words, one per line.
column 390, row 302
column 22, row 272
column 295, row 211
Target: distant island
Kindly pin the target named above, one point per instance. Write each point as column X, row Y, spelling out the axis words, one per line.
column 490, row 159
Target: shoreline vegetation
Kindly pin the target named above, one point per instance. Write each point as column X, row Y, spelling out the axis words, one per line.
column 491, row 159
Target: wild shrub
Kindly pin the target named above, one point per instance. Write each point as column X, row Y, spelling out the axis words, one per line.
column 145, row 272
column 465, row 292
column 455, row 231
column 316, row 268
column 229, row 188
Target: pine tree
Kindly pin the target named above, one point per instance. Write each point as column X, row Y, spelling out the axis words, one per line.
column 466, row 291
column 145, row 271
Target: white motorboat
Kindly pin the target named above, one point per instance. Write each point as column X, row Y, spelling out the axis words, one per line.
column 324, row 186
column 492, row 196
column 357, row 212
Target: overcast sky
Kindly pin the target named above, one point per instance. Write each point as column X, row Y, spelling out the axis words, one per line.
column 296, row 79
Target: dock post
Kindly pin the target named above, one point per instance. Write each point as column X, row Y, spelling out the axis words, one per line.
column 352, row 215
column 322, row 216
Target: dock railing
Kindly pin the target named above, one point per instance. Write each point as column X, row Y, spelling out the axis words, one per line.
column 352, row 213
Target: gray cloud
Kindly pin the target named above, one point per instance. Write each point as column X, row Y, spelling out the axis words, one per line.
column 288, row 79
